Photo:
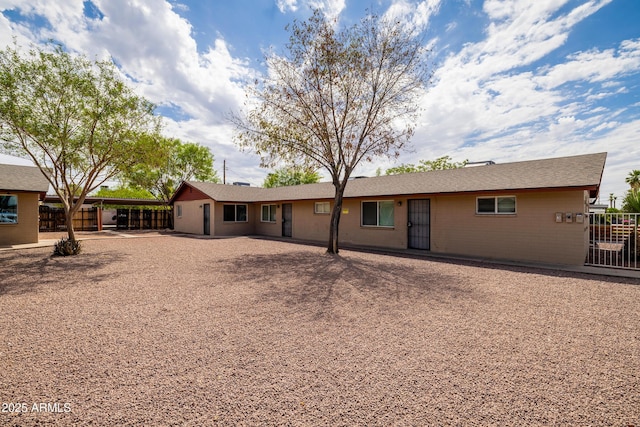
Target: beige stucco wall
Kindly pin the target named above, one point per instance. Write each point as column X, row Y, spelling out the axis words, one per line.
column 308, row 225
column 192, row 220
column 26, row 230
column 351, row 232
column 267, row 228
column 223, row 228
column 530, row 235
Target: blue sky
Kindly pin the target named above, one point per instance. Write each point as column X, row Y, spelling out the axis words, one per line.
column 513, row 79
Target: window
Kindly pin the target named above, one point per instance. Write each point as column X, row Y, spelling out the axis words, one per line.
column 179, row 211
column 8, row 209
column 235, row 213
column 496, row 205
column 377, row 214
column 322, row 208
column 268, row 213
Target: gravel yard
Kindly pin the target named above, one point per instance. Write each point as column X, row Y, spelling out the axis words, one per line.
column 170, row 330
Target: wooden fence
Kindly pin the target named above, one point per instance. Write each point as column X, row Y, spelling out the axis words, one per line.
column 53, row 219
column 90, row 219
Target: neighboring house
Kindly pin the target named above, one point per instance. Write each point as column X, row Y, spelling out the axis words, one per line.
column 21, row 189
column 534, row 211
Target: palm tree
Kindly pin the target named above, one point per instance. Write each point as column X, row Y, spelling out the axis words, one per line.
column 633, row 179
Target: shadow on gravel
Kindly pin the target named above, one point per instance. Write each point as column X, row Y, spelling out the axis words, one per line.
column 320, row 281
column 27, row 271
column 470, row 262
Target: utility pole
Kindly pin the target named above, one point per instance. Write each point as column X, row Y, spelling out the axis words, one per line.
column 224, row 171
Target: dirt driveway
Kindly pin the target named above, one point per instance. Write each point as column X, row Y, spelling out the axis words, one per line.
column 174, row 330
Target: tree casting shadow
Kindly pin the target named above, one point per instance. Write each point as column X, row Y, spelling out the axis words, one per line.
column 30, row 270
column 319, row 282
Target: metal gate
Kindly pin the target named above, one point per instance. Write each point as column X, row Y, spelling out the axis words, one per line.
column 146, row 219
column 419, row 224
column 614, row 240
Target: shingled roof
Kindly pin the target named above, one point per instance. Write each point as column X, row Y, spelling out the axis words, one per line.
column 575, row 172
column 22, row 178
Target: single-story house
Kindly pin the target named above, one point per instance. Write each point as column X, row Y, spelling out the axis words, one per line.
column 533, row 211
column 21, row 189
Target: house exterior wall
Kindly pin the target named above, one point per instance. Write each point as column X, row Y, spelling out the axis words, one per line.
column 308, row 225
column 353, row 232
column 26, row 229
column 529, row 235
column 219, row 227
column 191, row 221
column 267, row 228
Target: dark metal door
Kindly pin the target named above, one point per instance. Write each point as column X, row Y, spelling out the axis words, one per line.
column 419, row 224
column 206, row 208
column 122, row 222
column 287, row 214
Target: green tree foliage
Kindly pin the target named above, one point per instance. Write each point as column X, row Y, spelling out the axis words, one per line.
column 441, row 163
column 290, row 176
column 173, row 162
column 631, row 202
column 633, row 179
column 74, row 118
column 122, row 192
column 336, row 98
column 126, row 192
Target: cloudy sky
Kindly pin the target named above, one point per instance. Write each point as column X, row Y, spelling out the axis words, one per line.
column 514, row 79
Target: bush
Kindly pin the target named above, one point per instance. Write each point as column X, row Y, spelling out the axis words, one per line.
column 66, row 247
column 631, row 201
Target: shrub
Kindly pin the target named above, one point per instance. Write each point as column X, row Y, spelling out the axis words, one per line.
column 631, row 201
column 66, row 247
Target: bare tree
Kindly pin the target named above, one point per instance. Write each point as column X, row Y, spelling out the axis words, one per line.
column 336, row 98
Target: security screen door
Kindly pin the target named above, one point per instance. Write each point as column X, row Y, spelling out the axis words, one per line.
column 207, row 219
column 419, row 227
column 287, row 216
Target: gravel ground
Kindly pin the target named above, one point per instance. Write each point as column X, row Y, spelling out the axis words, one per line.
column 173, row 330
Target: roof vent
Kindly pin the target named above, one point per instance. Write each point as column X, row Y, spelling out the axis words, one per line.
column 483, row 163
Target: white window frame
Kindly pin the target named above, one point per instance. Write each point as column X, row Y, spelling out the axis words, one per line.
column 271, row 213
column 495, row 205
column 10, row 218
column 377, row 202
column 179, row 211
column 322, row 211
column 235, row 212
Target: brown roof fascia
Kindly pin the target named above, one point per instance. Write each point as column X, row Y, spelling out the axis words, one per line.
column 188, row 192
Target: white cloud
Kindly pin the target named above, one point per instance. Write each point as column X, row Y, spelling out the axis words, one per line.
column 595, row 66
column 414, row 15
column 286, row 5
column 486, row 101
column 331, row 8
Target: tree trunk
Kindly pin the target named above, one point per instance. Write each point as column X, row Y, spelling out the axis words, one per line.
column 69, row 219
column 335, row 219
column 70, row 208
